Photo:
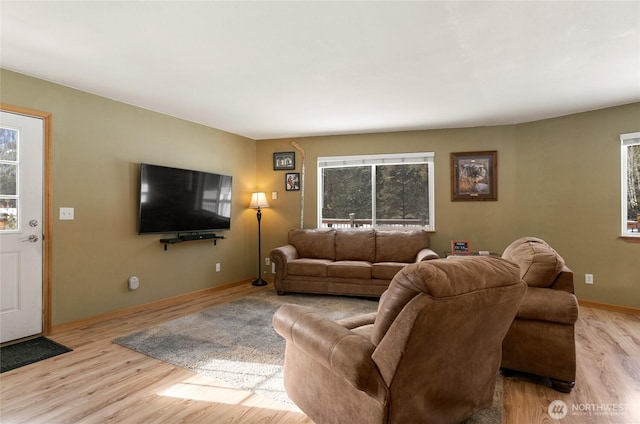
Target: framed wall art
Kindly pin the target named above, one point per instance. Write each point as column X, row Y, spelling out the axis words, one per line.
column 284, row 161
column 474, row 176
column 292, row 181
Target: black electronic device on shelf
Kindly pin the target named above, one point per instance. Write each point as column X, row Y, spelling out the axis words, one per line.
column 190, row 237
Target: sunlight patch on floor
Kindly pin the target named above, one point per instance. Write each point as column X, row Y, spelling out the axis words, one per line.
column 205, row 389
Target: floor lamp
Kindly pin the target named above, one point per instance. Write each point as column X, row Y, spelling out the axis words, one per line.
column 258, row 201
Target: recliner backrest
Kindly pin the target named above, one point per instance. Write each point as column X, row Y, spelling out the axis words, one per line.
column 440, row 278
column 439, row 333
column 539, row 263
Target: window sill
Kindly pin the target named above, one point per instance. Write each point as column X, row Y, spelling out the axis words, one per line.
column 630, row 239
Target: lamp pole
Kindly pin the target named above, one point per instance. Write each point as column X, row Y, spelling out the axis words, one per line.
column 259, row 201
column 259, row 281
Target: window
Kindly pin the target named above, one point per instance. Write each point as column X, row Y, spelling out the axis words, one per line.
column 9, row 195
column 376, row 191
column 630, row 184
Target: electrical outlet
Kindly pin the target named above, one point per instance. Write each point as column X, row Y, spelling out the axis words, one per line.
column 588, row 278
column 267, row 261
column 218, row 267
column 66, row 214
column 134, row 282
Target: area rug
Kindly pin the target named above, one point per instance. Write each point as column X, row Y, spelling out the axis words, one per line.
column 28, row 352
column 236, row 343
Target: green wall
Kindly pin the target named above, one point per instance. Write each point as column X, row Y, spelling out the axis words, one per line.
column 568, row 179
column 558, row 179
column 97, row 145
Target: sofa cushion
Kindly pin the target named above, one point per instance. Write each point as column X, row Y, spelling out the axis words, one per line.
column 539, row 263
column 319, row 243
column 349, row 269
column 400, row 246
column 309, row 267
column 355, row 245
column 386, row 270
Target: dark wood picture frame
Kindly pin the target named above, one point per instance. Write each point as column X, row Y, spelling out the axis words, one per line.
column 292, row 181
column 474, row 176
column 284, row 161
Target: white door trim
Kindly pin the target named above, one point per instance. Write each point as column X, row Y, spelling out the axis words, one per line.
column 46, row 230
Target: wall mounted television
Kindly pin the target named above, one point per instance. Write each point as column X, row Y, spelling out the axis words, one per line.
column 174, row 200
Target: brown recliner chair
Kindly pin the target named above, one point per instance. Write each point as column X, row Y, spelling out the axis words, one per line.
column 541, row 340
column 430, row 354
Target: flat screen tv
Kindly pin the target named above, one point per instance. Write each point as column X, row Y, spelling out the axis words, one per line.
column 174, row 200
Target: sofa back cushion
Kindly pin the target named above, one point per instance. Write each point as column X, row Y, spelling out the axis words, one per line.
column 315, row 244
column 355, row 244
column 400, row 246
column 539, row 263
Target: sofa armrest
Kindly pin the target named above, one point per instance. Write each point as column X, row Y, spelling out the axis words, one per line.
column 335, row 347
column 281, row 256
column 426, row 254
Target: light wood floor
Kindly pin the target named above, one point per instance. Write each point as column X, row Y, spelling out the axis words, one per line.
column 102, row 382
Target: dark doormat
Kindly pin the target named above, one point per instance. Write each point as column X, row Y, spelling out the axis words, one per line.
column 30, row 351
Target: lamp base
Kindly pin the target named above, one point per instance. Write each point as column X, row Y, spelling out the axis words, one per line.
column 259, row 282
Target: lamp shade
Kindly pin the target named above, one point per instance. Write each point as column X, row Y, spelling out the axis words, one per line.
column 258, row 200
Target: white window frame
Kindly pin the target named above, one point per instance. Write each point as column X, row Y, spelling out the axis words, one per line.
column 382, row 159
column 626, row 140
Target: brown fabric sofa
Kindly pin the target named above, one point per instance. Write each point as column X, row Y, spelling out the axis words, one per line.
column 430, row 354
column 541, row 339
column 359, row 262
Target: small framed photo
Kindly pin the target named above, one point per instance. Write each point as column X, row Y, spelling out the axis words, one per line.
column 460, row 247
column 474, row 176
column 284, row 161
column 292, row 181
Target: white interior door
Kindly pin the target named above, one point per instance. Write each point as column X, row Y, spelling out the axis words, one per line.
column 21, row 220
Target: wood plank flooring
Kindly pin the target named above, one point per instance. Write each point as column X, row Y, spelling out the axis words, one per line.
column 607, row 377
column 101, row 382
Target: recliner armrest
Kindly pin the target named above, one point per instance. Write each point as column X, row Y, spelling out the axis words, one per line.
column 358, row 321
column 546, row 304
column 564, row 281
column 337, row 348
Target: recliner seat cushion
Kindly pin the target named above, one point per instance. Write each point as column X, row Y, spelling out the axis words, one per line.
column 539, row 263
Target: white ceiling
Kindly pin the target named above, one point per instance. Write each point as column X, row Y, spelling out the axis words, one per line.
column 267, row 69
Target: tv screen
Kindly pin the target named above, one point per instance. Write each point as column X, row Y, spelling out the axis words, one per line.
column 176, row 200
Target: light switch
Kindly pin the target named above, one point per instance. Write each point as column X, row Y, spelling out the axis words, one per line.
column 274, row 195
column 66, row 214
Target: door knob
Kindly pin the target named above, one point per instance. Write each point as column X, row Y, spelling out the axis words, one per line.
column 31, row 239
